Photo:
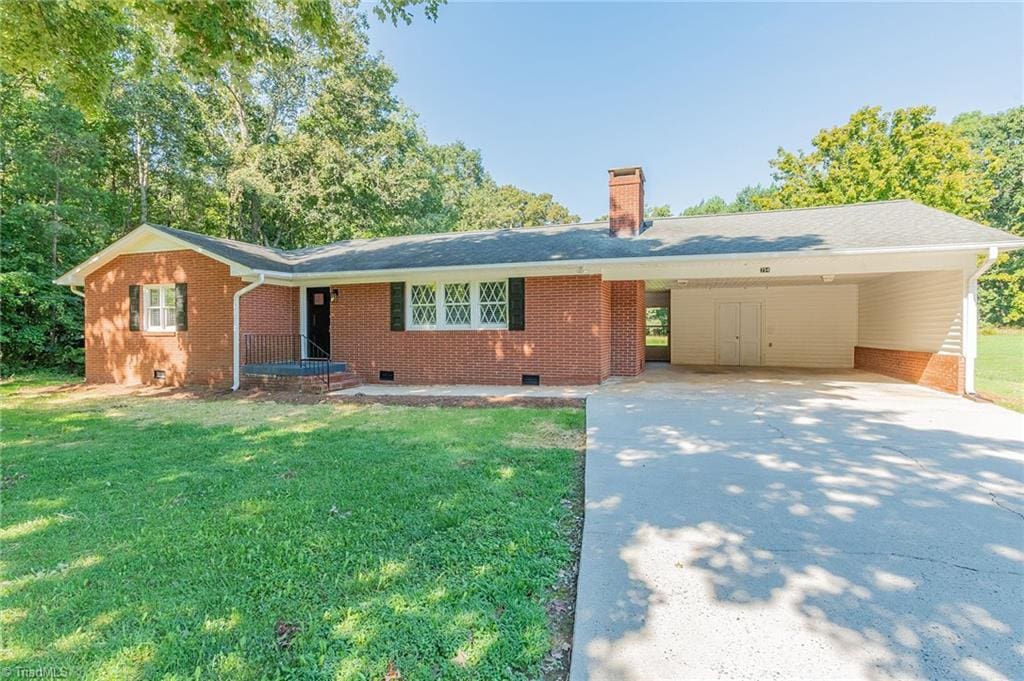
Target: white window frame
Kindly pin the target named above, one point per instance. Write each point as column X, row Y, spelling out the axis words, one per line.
column 168, row 314
column 439, row 302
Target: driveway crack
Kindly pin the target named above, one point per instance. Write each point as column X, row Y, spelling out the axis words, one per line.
column 981, row 485
column 895, row 554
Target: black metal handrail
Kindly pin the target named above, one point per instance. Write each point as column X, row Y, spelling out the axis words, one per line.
column 284, row 348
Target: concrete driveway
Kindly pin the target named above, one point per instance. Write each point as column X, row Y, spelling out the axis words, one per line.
column 772, row 524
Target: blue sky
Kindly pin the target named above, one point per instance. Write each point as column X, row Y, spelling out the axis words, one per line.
column 701, row 95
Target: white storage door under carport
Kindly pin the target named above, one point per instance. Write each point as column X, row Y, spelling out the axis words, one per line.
column 796, row 326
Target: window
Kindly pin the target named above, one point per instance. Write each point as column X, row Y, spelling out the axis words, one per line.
column 494, row 303
column 160, row 308
column 424, row 304
column 458, row 305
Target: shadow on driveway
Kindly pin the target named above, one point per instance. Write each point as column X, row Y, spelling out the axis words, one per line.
column 799, row 525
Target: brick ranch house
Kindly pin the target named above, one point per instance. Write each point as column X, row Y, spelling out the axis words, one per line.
column 889, row 287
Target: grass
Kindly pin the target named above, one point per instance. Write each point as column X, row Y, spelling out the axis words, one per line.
column 999, row 369
column 179, row 537
column 657, row 341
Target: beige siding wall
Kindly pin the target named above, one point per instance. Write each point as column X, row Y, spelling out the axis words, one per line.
column 807, row 326
column 912, row 311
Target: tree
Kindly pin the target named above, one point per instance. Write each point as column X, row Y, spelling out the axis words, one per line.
column 877, row 156
column 998, row 139
column 716, row 204
column 747, row 199
column 261, row 120
column 1001, row 136
column 75, row 46
column 490, row 206
column 53, row 212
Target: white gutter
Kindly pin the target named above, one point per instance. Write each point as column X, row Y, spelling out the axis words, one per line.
column 236, row 362
column 970, row 319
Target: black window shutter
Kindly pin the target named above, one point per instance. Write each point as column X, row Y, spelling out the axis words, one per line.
column 134, row 293
column 398, row 306
column 517, row 304
column 181, row 307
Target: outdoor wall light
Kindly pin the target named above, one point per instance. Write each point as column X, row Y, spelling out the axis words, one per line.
column 334, row 295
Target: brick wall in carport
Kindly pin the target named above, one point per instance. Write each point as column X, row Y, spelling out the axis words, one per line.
column 934, row 370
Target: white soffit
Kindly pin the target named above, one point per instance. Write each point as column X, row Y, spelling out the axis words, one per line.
column 754, row 282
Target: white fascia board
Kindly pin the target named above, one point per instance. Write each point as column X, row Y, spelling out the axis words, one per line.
column 130, row 243
column 849, row 261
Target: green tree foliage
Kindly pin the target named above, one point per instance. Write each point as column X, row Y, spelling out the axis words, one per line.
column 258, row 120
column 663, row 211
column 878, row 156
column 490, row 206
column 1001, row 137
column 973, row 168
column 747, row 200
column 716, row 204
column 76, row 46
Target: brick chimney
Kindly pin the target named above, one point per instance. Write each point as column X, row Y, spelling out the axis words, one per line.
column 625, row 201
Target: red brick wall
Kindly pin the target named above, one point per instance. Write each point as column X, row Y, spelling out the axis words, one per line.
column 200, row 355
column 628, row 327
column 941, row 372
column 565, row 340
column 579, row 329
column 272, row 310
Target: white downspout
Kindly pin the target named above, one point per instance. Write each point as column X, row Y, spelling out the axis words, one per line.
column 77, row 292
column 236, row 362
column 970, row 319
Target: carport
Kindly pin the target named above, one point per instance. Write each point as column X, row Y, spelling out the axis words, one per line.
column 905, row 315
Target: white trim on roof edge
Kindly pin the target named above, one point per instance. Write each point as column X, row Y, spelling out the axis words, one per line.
column 76, row 276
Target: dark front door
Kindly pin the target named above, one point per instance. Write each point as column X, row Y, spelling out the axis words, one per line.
column 318, row 322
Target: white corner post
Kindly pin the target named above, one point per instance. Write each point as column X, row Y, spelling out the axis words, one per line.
column 970, row 319
column 236, row 341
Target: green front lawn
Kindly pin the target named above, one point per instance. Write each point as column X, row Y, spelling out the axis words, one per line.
column 999, row 369
column 178, row 537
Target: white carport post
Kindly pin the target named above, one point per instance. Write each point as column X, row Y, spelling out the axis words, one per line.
column 236, row 351
column 970, row 319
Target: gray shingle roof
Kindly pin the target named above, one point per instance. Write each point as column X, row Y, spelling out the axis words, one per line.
column 879, row 225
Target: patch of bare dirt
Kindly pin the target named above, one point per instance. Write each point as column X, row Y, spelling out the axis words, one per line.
column 285, row 632
column 461, row 401
column 561, row 606
column 544, row 434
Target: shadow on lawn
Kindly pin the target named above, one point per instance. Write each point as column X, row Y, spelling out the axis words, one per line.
column 811, row 535
column 161, row 546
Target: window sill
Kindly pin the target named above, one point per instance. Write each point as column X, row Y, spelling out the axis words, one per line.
column 159, row 334
column 456, row 328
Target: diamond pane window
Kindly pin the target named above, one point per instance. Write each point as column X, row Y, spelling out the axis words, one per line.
column 494, row 302
column 457, row 309
column 424, row 305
